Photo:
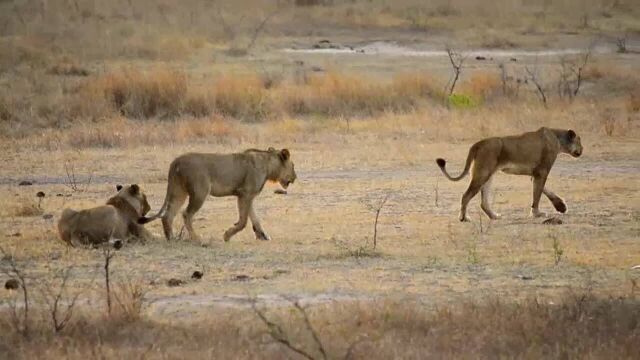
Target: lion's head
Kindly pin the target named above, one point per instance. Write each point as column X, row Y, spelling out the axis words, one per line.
column 572, row 144
column 134, row 196
column 286, row 174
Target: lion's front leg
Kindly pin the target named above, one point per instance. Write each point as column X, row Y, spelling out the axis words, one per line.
column 244, row 207
column 257, row 227
column 557, row 201
column 538, row 186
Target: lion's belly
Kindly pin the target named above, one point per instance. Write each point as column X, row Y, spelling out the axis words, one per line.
column 220, row 190
column 516, row 169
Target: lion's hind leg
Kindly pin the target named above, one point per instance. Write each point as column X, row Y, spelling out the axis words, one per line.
column 177, row 198
column 196, row 200
column 486, row 200
column 482, row 172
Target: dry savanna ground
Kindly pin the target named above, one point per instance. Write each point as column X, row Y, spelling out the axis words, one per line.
column 367, row 258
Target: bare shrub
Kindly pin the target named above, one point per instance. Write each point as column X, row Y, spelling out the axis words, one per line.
column 457, row 61
column 61, row 308
column 9, row 267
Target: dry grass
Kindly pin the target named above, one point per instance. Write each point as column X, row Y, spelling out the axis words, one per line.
column 123, row 132
column 25, row 207
column 575, row 326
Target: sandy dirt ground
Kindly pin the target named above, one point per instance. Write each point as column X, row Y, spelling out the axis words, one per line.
column 322, row 230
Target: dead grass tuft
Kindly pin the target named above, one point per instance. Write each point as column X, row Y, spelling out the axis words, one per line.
column 242, row 97
column 159, row 92
column 68, row 68
column 482, row 85
column 25, row 208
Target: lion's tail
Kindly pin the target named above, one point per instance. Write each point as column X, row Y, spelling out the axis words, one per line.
column 167, row 200
column 163, row 209
column 442, row 164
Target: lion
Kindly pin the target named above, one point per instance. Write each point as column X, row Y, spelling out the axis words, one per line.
column 118, row 219
column 532, row 154
column 197, row 175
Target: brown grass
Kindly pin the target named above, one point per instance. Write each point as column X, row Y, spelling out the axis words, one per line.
column 25, row 207
column 576, row 326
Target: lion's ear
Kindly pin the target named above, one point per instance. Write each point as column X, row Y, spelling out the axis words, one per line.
column 284, row 155
column 134, row 189
column 571, row 135
column 118, row 187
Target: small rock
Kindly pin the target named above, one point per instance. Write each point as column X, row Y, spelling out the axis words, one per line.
column 553, row 221
column 12, row 284
column 117, row 244
column 47, row 216
column 481, row 58
column 197, row 275
column 280, row 191
column 242, row 278
column 525, row 277
column 175, row 282
column 59, row 195
column 513, row 59
column 16, row 234
column 25, row 183
column 40, row 194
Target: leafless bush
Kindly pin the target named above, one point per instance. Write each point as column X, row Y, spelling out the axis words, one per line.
column 621, row 44
column 281, row 336
column 107, row 254
column 535, row 80
column 60, row 313
column 571, row 75
column 9, row 267
column 457, row 60
column 74, row 182
column 377, row 210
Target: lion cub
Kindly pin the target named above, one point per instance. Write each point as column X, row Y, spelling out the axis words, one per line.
column 118, row 219
column 531, row 154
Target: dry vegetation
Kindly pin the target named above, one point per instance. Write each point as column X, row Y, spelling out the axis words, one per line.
column 111, row 91
column 574, row 326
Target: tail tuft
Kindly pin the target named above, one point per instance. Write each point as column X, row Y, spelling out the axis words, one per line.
column 441, row 162
column 143, row 220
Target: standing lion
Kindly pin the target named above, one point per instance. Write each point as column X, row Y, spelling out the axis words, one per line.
column 243, row 175
column 118, row 219
column 532, row 154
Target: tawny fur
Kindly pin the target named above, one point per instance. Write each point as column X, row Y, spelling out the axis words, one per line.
column 115, row 220
column 243, row 175
column 532, row 154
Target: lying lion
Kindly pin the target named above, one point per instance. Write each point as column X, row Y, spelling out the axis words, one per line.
column 118, row 219
column 531, row 154
column 196, row 176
